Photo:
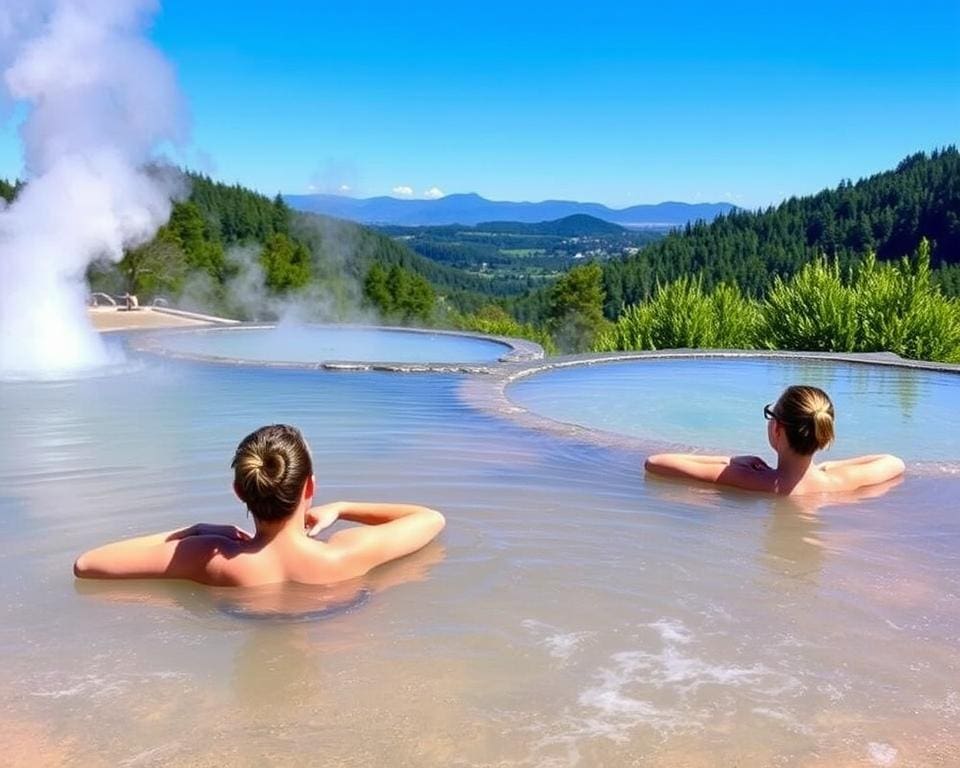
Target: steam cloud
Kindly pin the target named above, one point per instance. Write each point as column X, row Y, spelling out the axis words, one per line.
column 99, row 99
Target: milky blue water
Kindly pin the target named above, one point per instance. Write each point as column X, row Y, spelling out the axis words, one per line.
column 314, row 344
column 717, row 404
column 573, row 613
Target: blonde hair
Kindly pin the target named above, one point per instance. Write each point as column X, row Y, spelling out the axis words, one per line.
column 806, row 414
column 270, row 468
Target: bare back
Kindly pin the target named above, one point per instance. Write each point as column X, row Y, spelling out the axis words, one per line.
column 222, row 555
column 752, row 473
column 228, row 563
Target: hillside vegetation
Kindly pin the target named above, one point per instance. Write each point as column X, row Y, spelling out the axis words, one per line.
column 228, row 249
column 892, row 306
column 864, row 267
column 820, row 263
column 516, row 257
column 8, row 190
column 887, row 214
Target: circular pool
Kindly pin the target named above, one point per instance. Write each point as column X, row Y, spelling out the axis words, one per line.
column 716, row 403
column 573, row 613
column 330, row 346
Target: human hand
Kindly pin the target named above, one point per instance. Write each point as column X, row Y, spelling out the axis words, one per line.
column 319, row 518
column 750, row 462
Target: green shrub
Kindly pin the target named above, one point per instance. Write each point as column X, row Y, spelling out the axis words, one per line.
column 494, row 321
column 884, row 306
column 736, row 319
column 682, row 315
column 812, row 311
column 633, row 330
column 901, row 309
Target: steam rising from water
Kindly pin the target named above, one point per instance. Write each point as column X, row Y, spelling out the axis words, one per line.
column 99, row 99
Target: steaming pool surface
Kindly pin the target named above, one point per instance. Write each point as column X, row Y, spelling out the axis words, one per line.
column 716, row 404
column 317, row 344
column 573, row 613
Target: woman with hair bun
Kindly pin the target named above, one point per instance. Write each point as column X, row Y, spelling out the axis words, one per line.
column 798, row 425
column 273, row 477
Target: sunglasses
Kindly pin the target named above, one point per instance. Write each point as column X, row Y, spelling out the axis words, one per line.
column 769, row 414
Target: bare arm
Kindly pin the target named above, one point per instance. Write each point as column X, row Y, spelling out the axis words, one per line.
column 389, row 531
column 690, row 465
column 184, row 553
column 748, row 472
column 864, row 471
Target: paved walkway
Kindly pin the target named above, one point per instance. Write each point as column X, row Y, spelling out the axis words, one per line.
column 114, row 319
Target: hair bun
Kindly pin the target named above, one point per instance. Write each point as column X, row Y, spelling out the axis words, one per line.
column 808, row 415
column 823, row 412
column 275, row 465
column 271, row 467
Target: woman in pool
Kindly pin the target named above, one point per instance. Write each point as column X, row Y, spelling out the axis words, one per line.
column 798, row 425
column 273, row 476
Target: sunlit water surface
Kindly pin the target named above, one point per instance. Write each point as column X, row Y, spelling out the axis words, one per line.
column 313, row 344
column 717, row 404
column 573, row 612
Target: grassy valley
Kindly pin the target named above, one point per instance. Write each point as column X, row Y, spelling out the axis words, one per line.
column 516, row 256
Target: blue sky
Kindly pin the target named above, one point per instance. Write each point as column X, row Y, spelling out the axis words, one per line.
column 620, row 103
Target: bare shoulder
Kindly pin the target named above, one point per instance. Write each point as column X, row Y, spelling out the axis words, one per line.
column 210, row 560
column 350, row 543
column 749, row 477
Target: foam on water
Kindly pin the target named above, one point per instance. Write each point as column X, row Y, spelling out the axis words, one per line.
column 92, row 686
column 560, row 645
column 678, row 671
column 881, row 754
column 665, row 690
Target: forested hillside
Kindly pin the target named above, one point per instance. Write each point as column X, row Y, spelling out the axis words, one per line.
column 577, row 225
column 889, row 214
column 517, row 257
column 228, row 249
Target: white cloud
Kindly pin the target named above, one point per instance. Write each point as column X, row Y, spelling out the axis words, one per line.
column 433, row 193
column 335, row 177
column 403, row 191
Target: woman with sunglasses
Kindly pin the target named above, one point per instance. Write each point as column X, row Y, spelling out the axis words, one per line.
column 798, row 425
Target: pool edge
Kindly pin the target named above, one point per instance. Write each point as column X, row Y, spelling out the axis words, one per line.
column 489, row 394
column 519, row 351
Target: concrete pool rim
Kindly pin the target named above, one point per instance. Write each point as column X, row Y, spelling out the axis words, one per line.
column 490, row 394
column 517, row 351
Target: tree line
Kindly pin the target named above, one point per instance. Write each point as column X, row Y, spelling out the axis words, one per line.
column 220, row 232
column 224, row 240
column 887, row 214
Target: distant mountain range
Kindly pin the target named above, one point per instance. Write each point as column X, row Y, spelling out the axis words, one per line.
column 471, row 209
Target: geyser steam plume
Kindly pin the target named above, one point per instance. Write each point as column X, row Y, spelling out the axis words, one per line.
column 99, row 98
